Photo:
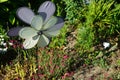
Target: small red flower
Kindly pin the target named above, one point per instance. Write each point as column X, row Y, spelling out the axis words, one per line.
column 51, row 71
column 65, row 56
column 110, row 79
column 41, row 75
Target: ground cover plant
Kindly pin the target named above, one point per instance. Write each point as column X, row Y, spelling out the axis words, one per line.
column 82, row 44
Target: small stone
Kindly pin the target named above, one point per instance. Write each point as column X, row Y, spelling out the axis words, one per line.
column 106, row 45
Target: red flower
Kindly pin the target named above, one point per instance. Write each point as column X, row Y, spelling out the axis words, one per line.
column 65, row 56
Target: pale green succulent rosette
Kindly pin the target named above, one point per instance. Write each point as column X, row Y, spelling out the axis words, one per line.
column 42, row 26
column 38, row 32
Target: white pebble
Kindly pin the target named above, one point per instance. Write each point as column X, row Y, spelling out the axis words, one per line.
column 106, row 44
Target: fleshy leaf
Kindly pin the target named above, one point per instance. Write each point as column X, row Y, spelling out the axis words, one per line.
column 30, row 42
column 37, row 22
column 43, row 41
column 27, row 32
column 52, row 33
column 47, row 9
column 57, row 26
column 51, row 22
column 14, row 31
column 25, row 14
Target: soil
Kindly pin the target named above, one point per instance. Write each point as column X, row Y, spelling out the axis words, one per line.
column 92, row 72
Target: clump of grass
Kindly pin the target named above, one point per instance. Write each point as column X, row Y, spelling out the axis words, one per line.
column 100, row 23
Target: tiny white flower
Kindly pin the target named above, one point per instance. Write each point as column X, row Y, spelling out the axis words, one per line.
column 5, row 49
column 1, row 36
column 106, row 44
column 4, row 44
column 10, row 43
column 1, row 43
column 2, row 39
column 1, row 49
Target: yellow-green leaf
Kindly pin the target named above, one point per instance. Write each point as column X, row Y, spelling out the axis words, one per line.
column 1, row 1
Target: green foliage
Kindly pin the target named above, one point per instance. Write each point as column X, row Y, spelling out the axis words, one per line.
column 60, row 11
column 8, row 12
column 100, row 22
column 3, row 32
column 118, row 62
column 73, row 10
column 85, row 38
column 103, row 17
column 8, row 9
column 1, row 1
